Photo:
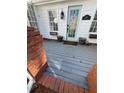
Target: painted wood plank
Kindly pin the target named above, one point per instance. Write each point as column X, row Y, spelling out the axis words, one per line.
column 61, row 62
column 66, row 74
column 68, row 69
column 86, row 65
column 81, row 90
column 68, row 66
column 71, row 66
column 57, row 84
column 53, row 81
column 41, row 79
column 66, row 87
column 76, row 89
column 68, row 61
column 78, row 63
column 71, row 90
column 61, row 88
column 81, row 83
column 65, row 66
column 72, row 59
column 48, row 82
column 88, row 57
column 86, row 91
column 85, row 55
column 77, row 56
column 88, row 50
column 82, row 57
column 45, row 80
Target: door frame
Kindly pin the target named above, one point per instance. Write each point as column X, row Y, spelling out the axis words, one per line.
column 77, row 20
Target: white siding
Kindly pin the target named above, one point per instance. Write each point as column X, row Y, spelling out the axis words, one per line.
column 88, row 7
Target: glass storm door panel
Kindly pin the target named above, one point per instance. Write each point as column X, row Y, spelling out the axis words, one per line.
column 73, row 17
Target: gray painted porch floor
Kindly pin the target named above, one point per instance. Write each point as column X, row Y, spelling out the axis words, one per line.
column 70, row 63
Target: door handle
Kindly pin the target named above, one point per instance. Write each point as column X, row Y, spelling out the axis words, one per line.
column 67, row 28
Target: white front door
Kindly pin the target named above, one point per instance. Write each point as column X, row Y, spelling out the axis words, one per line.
column 72, row 22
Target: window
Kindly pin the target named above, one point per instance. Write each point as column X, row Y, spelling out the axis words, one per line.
column 93, row 27
column 52, row 19
column 31, row 16
column 95, row 17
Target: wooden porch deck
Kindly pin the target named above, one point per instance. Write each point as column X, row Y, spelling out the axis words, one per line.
column 51, row 84
column 70, row 63
column 64, row 70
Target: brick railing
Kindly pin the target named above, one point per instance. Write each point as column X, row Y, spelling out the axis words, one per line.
column 36, row 55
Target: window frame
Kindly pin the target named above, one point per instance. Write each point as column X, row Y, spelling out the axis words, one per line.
column 53, row 26
column 31, row 16
column 93, row 27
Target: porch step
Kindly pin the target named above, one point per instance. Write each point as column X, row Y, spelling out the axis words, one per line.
column 67, row 77
column 51, row 84
column 70, row 42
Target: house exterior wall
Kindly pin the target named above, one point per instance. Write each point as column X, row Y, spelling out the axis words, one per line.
column 88, row 7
